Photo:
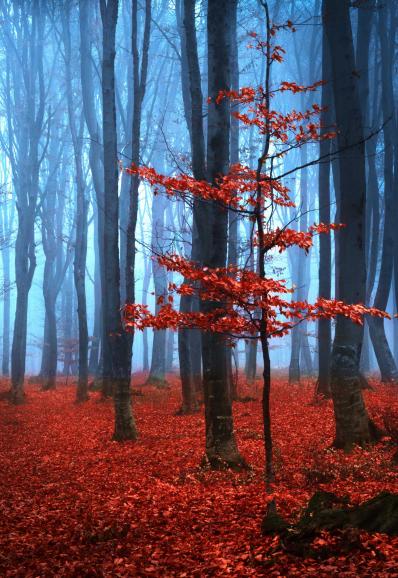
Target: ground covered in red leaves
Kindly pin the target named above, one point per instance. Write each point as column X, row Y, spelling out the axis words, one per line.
column 74, row 503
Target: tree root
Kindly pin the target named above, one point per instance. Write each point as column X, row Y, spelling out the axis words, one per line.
column 326, row 511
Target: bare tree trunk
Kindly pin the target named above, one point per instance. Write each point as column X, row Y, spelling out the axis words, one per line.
column 157, row 372
column 53, row 202
column 96, row 336
column 139, row 88
column 7, row 218
column 79, row 265
column 96, row 154
column 145, row 287
column 366, row 11
column 251, row 345
column 26, row 174
column 189, row 340
column 117, row 368
column 67, row 319
column 325, row 245
column 212, row 222
column 233, row 221
column 385, row 359
column 299, row 266
column 352, row 422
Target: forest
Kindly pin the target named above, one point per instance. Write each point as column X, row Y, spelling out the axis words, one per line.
column 198, row 288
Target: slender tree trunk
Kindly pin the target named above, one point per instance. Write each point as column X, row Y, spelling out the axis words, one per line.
column 145, row 287
column 299, row 266
column 50, row 346
column 51, row 240
column 19, row 347
column 352, row 422
column 96, row 154
column 96, row 336
column 366, row 12
column 384, row 356
column 157, row 373
column 6, row 227
column 212, row 222
column 67, row 317
column 189, row 340
column 29, row 73
column 251, row 361
column 233, row 239
column 139, row 87
column 325, row 245
column 117, row 368
column 79, row 265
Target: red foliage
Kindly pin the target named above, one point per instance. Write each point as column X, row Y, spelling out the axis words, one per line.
column 235, row 293
column 75, row 504
column 240, row 293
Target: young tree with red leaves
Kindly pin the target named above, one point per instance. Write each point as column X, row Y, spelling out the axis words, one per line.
column 236, row 294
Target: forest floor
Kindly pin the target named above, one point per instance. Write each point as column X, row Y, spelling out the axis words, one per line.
column 73, row 503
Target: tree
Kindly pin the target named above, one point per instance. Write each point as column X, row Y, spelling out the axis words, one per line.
column 157, row 371
column 56, row 260
column 231, row 296
column 7, row 214
column 325, row 248
column 212, row 226
column 79, row 265
column 116, row 370
column 89, row 99
column 352, row 421
column 26, row 125
column 140, row 73
column 189, row 340
column 385, row 359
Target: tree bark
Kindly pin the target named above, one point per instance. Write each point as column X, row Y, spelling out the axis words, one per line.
column 139, row 87
column 352, row 421
column 28, row 78
column 212, row 223
column 94, row 358
column 79, row 264
column 96, row 154
column 233, row 220
column 325, row 245
column 384, row 356
column 189, row 340
column 157, row 372
column 7, row 218
column 117, row 368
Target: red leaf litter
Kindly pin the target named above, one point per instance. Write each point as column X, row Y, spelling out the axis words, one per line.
column 74, row 503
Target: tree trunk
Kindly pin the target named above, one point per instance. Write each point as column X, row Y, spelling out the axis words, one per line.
column 67, row 317
column 117, row 368
column 139, row 87
column 50, row 346
column 157, row 373
column 79, row 265
column 385, row 359
column 28, row 79
column 189, row 340
column 352, row 421
column 325, row 246
column 6, row 228
column 96, row 158
column 212, row 222
column 251, row 360
column 96, row 336
column 18, row 352
column 233, row 221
